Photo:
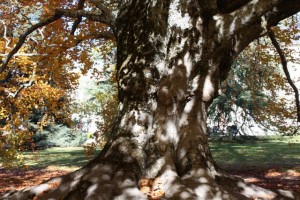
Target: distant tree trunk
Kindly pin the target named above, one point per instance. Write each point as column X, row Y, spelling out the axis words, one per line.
column 172, row 56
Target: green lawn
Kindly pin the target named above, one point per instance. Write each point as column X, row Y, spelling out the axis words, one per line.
column 276, row 151
column 61, row 158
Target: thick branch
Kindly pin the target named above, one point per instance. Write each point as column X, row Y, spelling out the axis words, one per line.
column 78, row 20
column 105, row 11
column 261, row 13
column 22, row 38
column 58, row 14
column 227, row 6
column 252, row 21
column 81, row 13
column 283, row 11
column 285, row 69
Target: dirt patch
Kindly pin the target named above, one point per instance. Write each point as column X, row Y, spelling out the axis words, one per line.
column 274, row 178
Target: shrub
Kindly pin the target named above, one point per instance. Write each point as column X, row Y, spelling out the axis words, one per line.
column 58, row 135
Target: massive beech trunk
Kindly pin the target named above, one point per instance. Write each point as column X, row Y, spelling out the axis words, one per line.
column 172, row 56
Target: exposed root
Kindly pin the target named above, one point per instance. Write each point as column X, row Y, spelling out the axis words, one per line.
column 101, row 182
column 237, row 185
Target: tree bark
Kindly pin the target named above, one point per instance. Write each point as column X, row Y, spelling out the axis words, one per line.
column 172, row 56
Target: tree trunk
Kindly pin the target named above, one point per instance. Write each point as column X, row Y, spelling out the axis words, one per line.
column 172, row 56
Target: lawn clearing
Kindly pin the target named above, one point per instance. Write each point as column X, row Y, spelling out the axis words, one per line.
column 274, row 151
column 272, row 163
column 68, row 159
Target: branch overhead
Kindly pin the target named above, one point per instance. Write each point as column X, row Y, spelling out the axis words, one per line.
column 78, row 20
column 253, row 15
column 285, row 69
column 105, row 12
column 102, row 18
column 81, row 13
column 227, row 6
column 23, row 37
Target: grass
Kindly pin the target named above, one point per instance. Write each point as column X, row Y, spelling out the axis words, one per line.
column 274, row 151
column 56, row 158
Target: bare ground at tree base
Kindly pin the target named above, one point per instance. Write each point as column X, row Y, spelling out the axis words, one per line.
column 273, row 177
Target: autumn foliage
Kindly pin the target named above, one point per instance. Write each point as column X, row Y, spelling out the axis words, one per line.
column 257, row 91
column 39, row 77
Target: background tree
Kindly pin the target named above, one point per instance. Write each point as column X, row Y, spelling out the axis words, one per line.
column 32, row 88
column 253, row 93
column 36, row 86
column 171, row 58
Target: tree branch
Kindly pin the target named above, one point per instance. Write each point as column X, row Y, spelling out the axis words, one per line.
column 79, row 19
column 5, row 34
column 23, row 86
column 105, row 11
column 58, row 14
column 102, row 18
column 227, row 6
column 285, row 69
column 252, row 20
column 22, row 38
column 283, row 11
column 259, row 12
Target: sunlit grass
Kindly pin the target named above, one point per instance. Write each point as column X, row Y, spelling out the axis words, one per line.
column 56, row 158
column 281, row 151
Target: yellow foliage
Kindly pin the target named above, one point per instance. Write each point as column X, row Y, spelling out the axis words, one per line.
column 42, row 73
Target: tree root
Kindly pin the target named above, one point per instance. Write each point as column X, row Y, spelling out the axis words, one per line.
column 101, row 182
column 238, row 186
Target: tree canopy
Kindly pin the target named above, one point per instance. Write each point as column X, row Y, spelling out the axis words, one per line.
column 253, row 92
column 41, row 65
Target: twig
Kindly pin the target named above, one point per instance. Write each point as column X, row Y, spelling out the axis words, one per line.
column 5, row 36
column 285, row 69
